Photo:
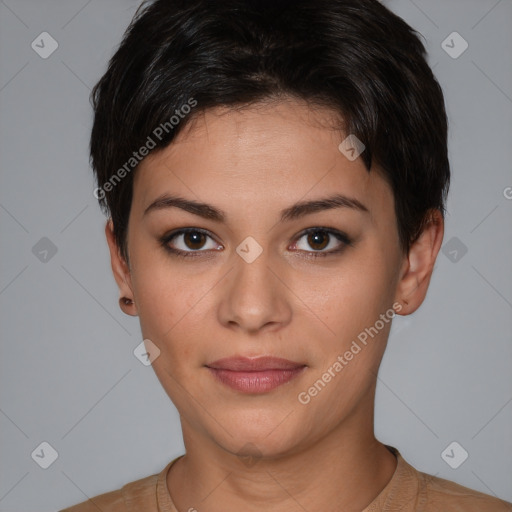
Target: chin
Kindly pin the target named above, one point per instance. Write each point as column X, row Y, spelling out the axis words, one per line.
column 251, row 440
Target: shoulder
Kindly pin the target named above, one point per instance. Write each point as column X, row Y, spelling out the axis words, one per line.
column 413, row 490
column 132, row 495
column 439, row 494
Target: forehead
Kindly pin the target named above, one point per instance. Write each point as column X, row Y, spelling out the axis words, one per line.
column 268, row 155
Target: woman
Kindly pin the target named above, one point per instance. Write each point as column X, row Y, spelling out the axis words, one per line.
column 275, row 175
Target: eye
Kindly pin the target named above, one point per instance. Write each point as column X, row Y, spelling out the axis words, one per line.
column 323, row 238
column 186, row 242
column 191, row 242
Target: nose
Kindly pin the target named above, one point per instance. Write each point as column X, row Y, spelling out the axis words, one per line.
column 254, row 296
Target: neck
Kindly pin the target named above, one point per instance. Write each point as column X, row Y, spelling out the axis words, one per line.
column 344, row 470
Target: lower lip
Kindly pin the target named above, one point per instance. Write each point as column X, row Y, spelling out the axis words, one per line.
column 255, row 382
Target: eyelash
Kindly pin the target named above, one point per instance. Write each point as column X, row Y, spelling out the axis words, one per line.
column 342, row 237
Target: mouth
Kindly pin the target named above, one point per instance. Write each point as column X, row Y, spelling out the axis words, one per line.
column 255, row 375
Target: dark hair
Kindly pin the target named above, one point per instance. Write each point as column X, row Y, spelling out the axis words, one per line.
column 182, row 57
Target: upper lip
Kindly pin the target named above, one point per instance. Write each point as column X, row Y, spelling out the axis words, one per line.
column 246, row 364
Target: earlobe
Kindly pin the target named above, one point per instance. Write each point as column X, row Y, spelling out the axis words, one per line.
column 419, row 265
column 121, row 271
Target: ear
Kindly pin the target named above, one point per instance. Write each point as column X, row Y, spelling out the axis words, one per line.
column 418, row 265
column 121, row 271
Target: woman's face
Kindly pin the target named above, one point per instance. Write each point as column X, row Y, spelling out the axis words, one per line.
column 246, row 282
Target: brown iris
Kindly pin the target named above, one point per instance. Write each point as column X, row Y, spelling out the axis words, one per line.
column 197, row 239
column 318, row 238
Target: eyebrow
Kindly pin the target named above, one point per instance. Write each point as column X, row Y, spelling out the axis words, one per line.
column 293, row 212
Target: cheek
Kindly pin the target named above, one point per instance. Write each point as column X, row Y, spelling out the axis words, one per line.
column 353, row 295
column 160, row 303
column 171, row 308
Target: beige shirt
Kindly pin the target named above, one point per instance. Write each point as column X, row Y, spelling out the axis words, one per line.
column 408, row 490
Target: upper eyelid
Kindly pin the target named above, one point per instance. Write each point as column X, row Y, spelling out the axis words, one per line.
column 174, row 234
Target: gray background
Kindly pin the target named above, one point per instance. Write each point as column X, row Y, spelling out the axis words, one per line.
column 68, row 373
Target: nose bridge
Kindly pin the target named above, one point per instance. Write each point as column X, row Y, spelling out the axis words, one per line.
column 253, row 279
column 253, row 297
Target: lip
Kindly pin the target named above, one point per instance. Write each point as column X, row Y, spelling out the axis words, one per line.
column 255, row 375
column 254, row 364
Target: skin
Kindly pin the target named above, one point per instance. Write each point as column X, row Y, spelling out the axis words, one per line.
column 252, row 163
